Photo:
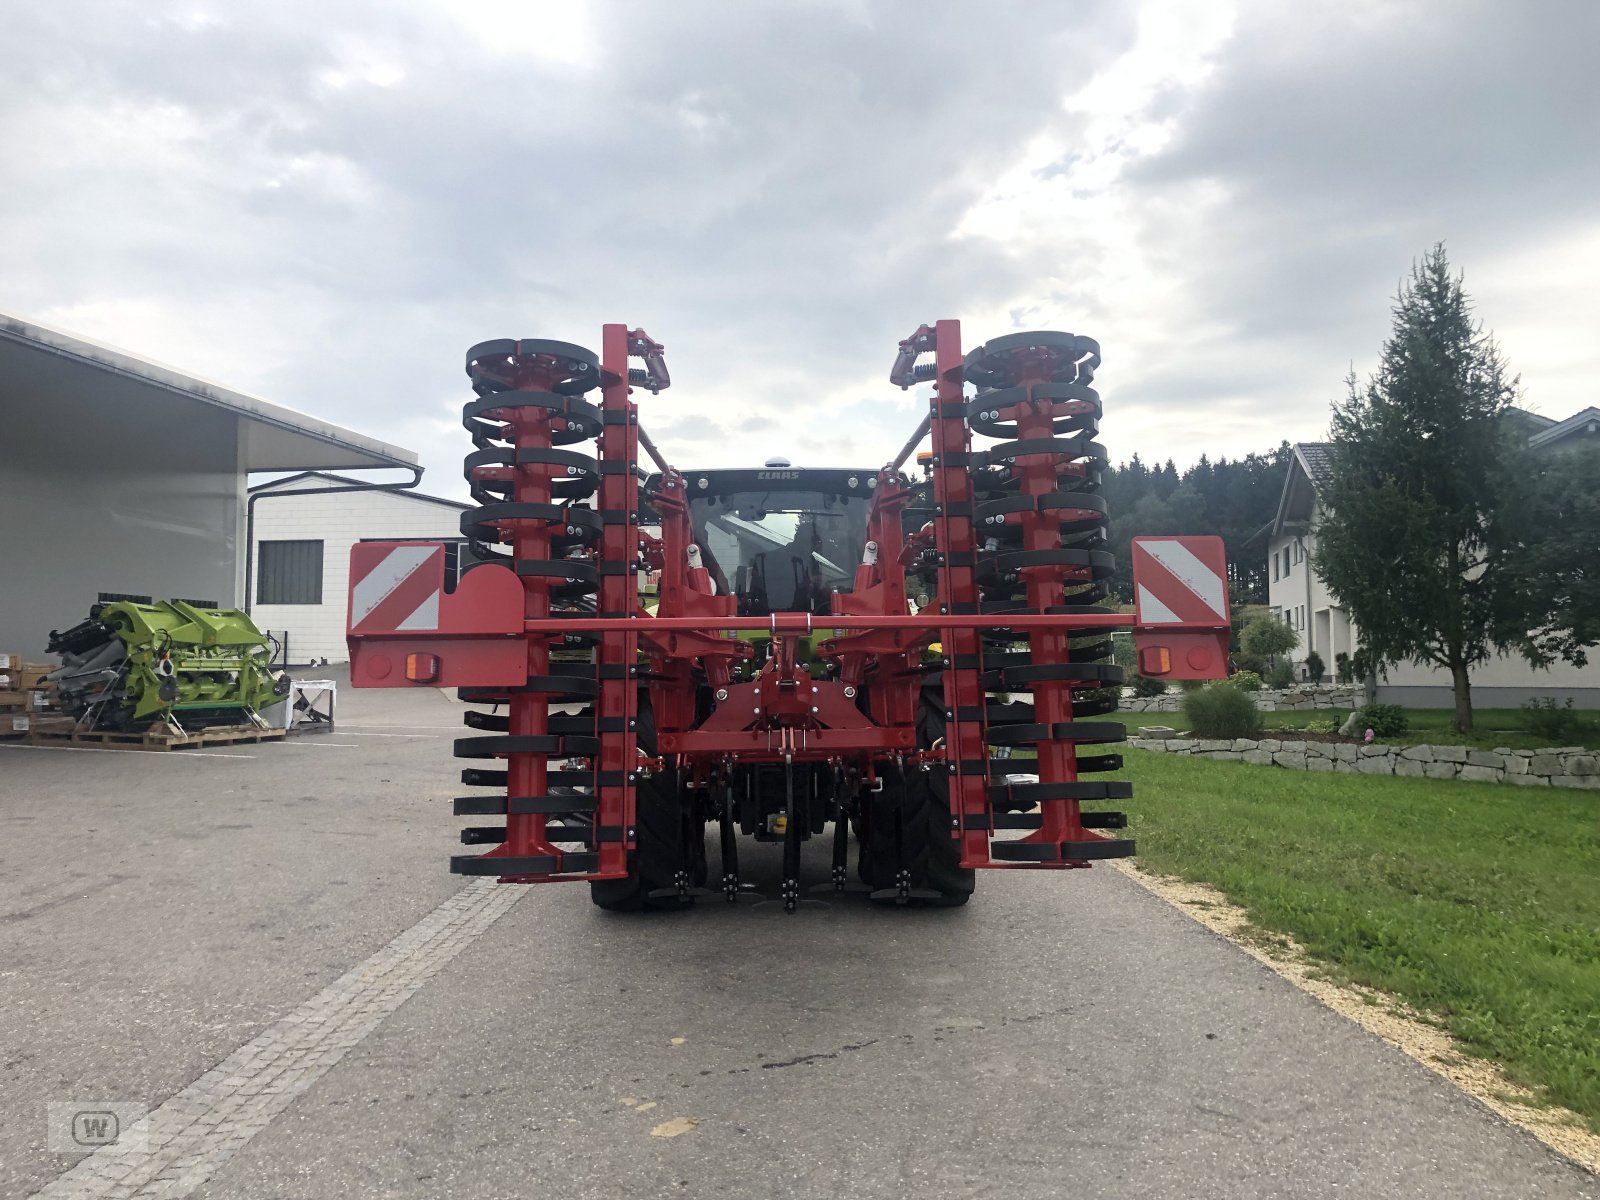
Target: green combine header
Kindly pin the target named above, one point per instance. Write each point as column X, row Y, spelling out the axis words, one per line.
column 136, row 663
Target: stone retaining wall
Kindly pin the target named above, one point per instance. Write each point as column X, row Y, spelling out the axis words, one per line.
column 1561, row 766
column 1267, row 701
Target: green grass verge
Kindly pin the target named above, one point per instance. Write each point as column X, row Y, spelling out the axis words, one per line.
column 1476, row 903
column 1492, row 727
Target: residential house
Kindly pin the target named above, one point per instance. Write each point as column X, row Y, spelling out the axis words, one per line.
column 1299, row 597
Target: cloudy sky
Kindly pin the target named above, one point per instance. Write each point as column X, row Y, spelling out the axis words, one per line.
column 325, row 203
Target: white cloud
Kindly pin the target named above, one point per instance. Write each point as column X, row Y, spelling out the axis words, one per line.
column 556, row 30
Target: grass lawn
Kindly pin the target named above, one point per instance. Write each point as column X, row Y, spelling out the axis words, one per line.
column 1491, row 727
column 1476, row 903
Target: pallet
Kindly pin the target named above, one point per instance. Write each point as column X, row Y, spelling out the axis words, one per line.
column 61, row 732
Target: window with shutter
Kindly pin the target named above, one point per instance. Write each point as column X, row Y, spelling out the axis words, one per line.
column 289, row 573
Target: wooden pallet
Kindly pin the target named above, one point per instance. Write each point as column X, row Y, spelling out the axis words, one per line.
column 61, row 732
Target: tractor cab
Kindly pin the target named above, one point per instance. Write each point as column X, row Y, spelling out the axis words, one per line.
column 780, row 539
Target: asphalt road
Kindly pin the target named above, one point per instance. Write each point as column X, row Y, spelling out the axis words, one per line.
column 1063, row 1033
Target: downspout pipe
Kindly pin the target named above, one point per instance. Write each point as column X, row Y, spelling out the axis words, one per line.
column 1311, row 617
column 250, row 517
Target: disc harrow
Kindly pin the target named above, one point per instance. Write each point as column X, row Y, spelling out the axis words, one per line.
column 782, row 678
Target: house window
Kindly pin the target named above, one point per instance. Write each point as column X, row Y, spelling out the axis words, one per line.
column 289, row 573
column 1274, row 566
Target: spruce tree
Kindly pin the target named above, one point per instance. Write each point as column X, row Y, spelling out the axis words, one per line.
column 1420, row 535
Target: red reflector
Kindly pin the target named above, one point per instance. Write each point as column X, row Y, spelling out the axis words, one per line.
column 1154, row 660
column 424, row 668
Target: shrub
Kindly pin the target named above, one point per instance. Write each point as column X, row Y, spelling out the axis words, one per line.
column 1360, row 665
column 1245, row 681
column 1314, row 667
column 1123, row 652
column 1221, row 710
column 1385, row 720
column 1342, row 670
column 1249, row 662
column 1267, row 637
column 1544, row 718
column 1281, row 677
column 1145, row 687
column 1322, row 725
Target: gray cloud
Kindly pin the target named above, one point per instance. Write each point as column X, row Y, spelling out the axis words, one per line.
column 327, row 204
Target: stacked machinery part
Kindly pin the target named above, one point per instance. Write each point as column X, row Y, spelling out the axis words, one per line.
column 796, row 684
column 132, row 664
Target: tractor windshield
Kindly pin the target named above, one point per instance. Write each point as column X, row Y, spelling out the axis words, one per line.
column 780, row 550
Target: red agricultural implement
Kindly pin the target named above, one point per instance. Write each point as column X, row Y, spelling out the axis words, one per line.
column 917, row 657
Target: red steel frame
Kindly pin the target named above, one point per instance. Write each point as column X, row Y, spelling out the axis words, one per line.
column 617, row 711
column 784, row 712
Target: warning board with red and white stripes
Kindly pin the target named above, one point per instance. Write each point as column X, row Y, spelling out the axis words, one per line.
column 1180, row 581
column 401, row 612
column 395, row 587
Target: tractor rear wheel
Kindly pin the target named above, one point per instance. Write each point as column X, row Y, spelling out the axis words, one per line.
column 669, row 849
column 908, row 831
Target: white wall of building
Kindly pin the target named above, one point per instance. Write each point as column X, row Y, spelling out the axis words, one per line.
column 1298, row 597
column 339, row 520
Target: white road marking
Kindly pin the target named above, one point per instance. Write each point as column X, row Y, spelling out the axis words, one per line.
column 343, row 728
column 193, row 1134
column 110, row 750
column 422, row 737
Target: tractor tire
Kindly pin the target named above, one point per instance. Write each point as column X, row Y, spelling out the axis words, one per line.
column 664, row 825
column 908, row 829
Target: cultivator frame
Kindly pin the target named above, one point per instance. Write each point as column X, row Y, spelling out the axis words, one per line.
column 674, row 705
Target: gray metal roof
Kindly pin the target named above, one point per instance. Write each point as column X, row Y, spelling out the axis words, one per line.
column 1313, row 463
column 1585, row 422
column 41, row 367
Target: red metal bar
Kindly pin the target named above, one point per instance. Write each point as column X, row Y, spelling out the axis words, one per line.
column 958, row 595
column 1052, row 699
column 802, row 623
column 619, row 644
column 650, row 449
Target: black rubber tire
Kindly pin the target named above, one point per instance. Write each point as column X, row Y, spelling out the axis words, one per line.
column 663, row 848
column 908, row 829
